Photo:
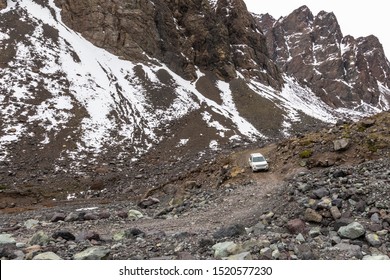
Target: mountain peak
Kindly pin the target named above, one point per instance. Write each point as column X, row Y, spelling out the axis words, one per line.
column 299, row 19
column 337, row 69
column 303, row 12
column 302, row 9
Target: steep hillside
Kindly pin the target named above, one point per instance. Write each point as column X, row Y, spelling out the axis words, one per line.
column 338, row 209
column 91, row 90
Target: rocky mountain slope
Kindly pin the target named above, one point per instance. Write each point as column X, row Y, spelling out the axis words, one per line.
column 337, row 210
column 342, row 70
column 92, row 82
column 148, row 110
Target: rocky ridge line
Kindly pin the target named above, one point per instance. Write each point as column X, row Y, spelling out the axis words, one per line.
column 184, row 35
column 342, row 70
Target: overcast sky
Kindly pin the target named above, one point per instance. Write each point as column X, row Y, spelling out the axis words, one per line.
column 357, row 18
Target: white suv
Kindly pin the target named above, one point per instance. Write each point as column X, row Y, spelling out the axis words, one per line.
column 258, row 162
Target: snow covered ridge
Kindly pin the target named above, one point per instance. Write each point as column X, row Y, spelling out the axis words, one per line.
column 95, row 80
column 59, row 88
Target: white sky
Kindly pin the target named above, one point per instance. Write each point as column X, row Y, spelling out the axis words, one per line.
column 357, row 18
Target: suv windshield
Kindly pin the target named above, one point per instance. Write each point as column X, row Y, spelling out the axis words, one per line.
column 258, row 159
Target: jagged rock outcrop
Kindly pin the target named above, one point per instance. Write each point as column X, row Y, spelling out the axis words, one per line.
column 220, row 37
column 343, row 71
column 3, row 4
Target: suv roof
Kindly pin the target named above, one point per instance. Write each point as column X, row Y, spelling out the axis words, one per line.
column 256, row 155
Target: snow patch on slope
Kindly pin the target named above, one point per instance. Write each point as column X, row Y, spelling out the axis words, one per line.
column 99, row 83
column 295, row 99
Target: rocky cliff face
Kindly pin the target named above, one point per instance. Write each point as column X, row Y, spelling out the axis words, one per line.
column 222, row 37
column 3, row 4
column 343, row 71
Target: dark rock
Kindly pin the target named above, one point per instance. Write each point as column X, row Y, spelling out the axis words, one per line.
column 346, row 214
column 91, row 217
column 387, row 219
column 8, row 251
column 104, row 215
column 58, row 217
column 337, row 202
column 182, row 235
column 122, row 214
column 360, row 206
column 64, row 234
column 266, row 254
column 375, row 227
column 145, row 203
column 72, row 217
column 259, row 229
column 134, row 232
column 185, row 256
column 321, row 192
column 341, row 222
column 339, row 174
column 92, row 235
column 205, row 243
column 232, row 231
column 368, row 122
column 88, row 235
column 296, row 226
column 350, row 250
column 305, row 252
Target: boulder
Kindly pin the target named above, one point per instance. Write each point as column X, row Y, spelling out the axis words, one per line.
column 352, row 231
column 242, row 256
column 231, row 231
column 341, row 144
column 296, row 226
column 312, row 216
column 335, row 212
column 373, row 239
column 64, row 234
column 6, row 239
column 47, row 256
column 376, row 257
column 39, row 238
column 57, row 217
column 93, row 253
column 321, row 192
column 349, row 250
column 225, row 249
column 31, row 223
column 134, row 215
